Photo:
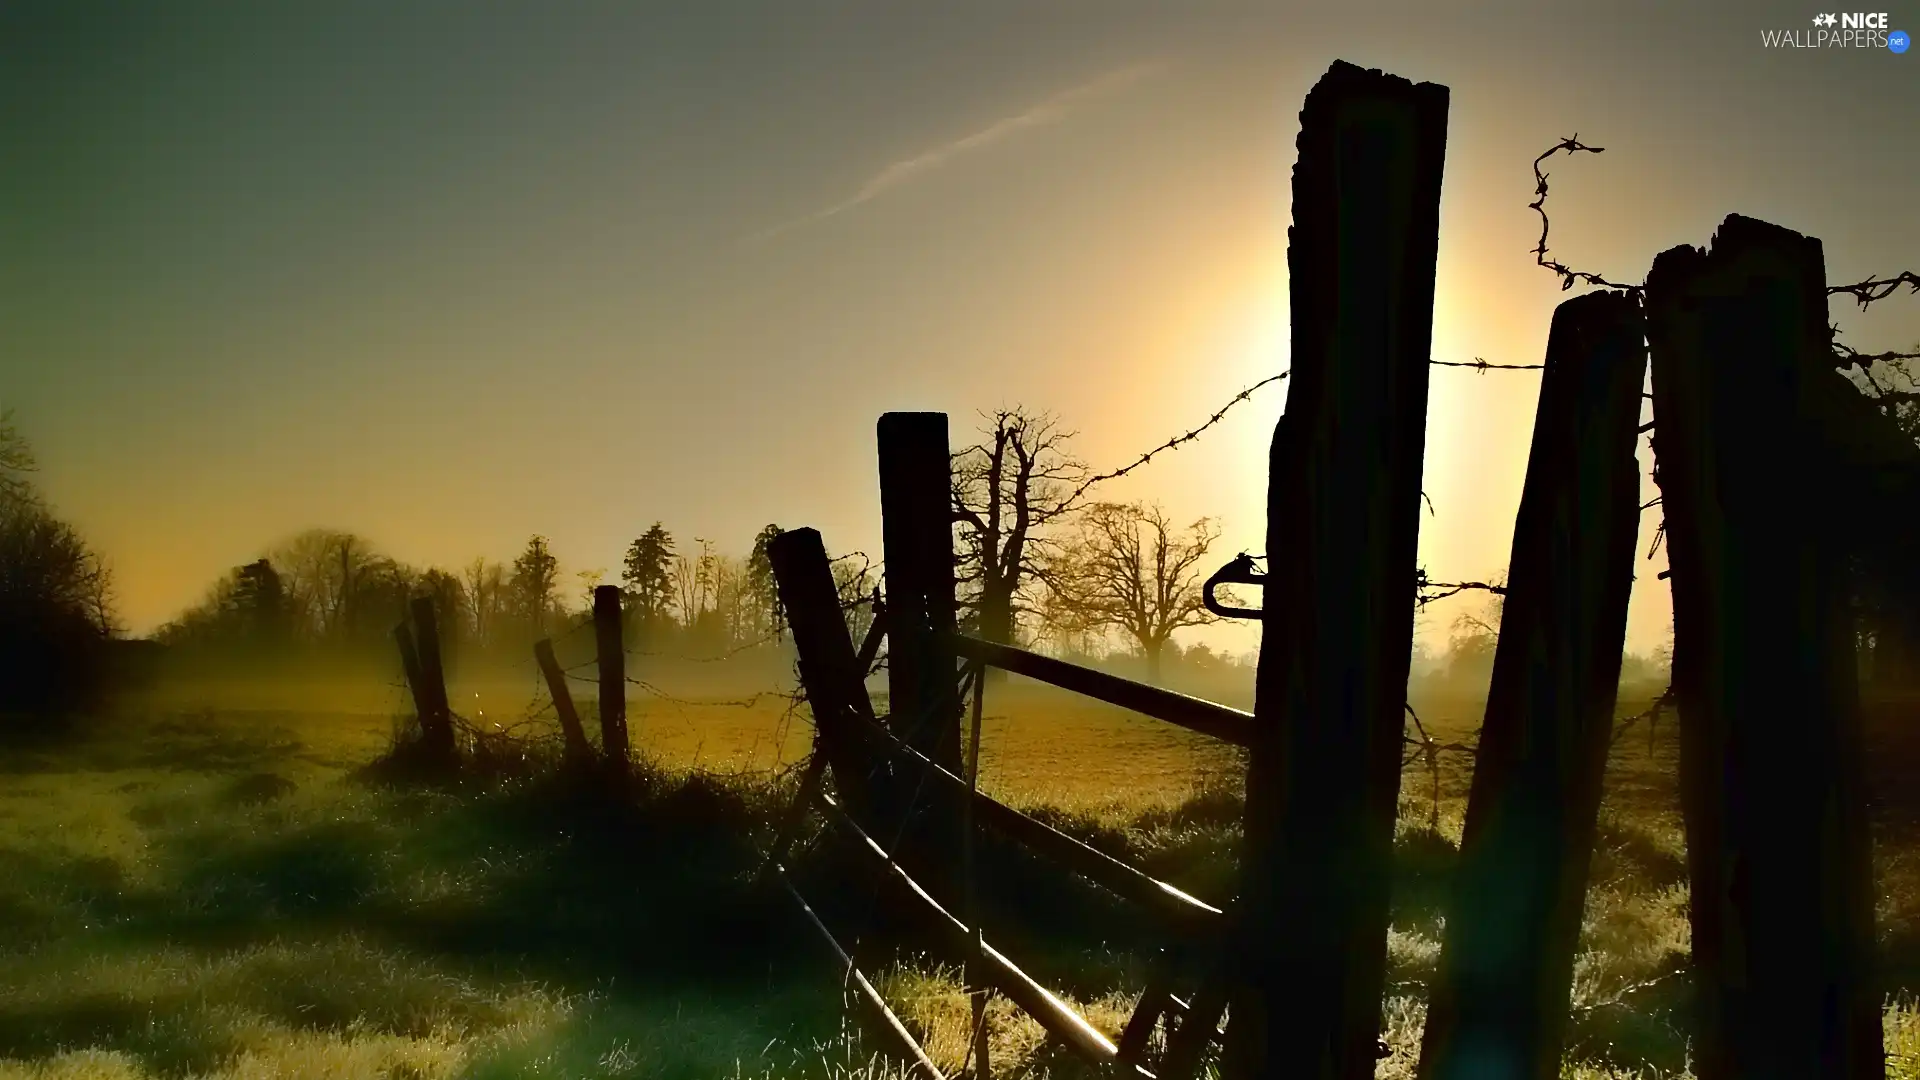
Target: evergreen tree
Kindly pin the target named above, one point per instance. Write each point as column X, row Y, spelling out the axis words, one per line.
column 536, row 575
column 762, row 591
column 647, row 575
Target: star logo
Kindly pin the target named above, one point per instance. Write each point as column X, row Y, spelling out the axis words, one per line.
column 1824, row 20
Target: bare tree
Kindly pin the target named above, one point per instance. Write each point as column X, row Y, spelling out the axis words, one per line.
column 1129, row 569
column 694, row 581
column 323, row 571
column 16, row 461
column 1894, row 387
column 686, row 588
column 56, row 606
column 1007, row 489
column 485, row 586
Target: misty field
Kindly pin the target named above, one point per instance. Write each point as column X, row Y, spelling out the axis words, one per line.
column 206, row 883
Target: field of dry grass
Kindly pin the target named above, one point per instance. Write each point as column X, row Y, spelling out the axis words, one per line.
column 205, row 886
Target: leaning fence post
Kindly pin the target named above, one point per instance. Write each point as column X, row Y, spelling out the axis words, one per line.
column 1499, row 1004
column 436, row 723
column 1343, row 510
column 922, row 682
column 410, row 664
column 830, row 671
column 613, row 677
column 1763, row 658
column 578, row 750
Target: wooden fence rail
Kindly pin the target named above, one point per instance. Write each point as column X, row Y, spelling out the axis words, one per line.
column 1764, row 676
column 1090, row 863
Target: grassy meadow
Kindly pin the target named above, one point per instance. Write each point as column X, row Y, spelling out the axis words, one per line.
column 207, row 882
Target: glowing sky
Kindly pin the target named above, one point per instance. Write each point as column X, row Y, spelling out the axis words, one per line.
column 448, row 275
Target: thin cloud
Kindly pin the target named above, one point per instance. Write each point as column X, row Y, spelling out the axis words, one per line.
column 1049, row 111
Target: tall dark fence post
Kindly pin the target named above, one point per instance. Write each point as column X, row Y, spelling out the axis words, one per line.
column 1342, row 524
column 923, row 684
column 410, row 664
column 436, row 723
column 579, row 752
column 1763, row 660
column 1499, row 1005
column 830, row 671
column 613, row 677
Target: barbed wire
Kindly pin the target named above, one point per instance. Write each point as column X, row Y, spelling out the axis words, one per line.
column 1175, row 442
column 1851, row 356
column 1568, row 275
column 1619, row 997
column 769, row 638
column 1649, row 716
column 1483, row 366
column 732, row 703
column 1422, row 584
column 1875, row 289
column 1478, row 364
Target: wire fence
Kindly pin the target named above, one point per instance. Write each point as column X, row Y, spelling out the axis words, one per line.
column 1422, row 746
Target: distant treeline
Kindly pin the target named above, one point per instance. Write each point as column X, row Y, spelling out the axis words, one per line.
column 328, row 591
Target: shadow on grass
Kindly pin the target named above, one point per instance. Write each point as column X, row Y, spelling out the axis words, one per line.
column 173, row 741
column 640, row 905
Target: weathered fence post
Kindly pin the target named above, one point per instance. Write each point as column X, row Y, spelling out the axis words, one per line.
column 579, row 752
column 916, row 483
column 830, row 671
column 1763, row 661
column 1342, row 524
column 410, row 664
column 1499, row 1005
column 436, row 723
column 613, row 677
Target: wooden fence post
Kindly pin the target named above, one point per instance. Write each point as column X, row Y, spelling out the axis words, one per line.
column 410, row 664
column 1499, row 1005
column 436, row 723
column 830, row 671
column 578, row 750
column 613, row 677
column 1342, row 524
column 917, row 530
column 916, row 478
column 1763, row 662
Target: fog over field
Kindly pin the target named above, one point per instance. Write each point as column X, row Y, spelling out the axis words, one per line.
column 853, row 541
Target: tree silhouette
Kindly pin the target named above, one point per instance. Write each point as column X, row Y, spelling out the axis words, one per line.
column 16, row 462
column 536, row 575
column 56, row 609
column 761, row 590
column 484, row 588
column 450, row 605
column 260, row 602
column 1129, row 569
column 647, row 576
column 1007, row 489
